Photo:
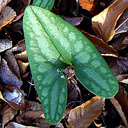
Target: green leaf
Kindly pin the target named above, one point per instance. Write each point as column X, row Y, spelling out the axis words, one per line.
column 47, row 4
column 52, row 44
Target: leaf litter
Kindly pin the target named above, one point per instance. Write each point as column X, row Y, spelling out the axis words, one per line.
column 17, row 82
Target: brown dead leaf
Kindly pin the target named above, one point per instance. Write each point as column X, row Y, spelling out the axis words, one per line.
column 16, row 125
column 101, row 46
column 12, row 63
column 7, row 78
column 121, row 42
column 6, row 16
column 23, row 66
column 119, row 110
column 122, row 24
column 104, row 23
column 59, row 125
column 13, row 97
column 19, row 6
column 83, row 115
column 90, row 5
column 29, row 117
column 75, row 21
column 5, row 44
column 41, row 122
column 3, row 3
column 31, row 105
column 122, row 98
column 123, row 65
column 8, row 114
column 22, row 56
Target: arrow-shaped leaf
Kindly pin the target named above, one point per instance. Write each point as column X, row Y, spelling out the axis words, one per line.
column 51, row 44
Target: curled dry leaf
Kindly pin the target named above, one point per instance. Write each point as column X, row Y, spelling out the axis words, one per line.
column 19, row 6
column 6, row 16
column 13, row 97
column 83, row 115
column 31, row 105
column 122, row 25
column 101, row 46
column 22, row 56
column 23, row 66
column 104, row 23
column 16, row 125
column 3, row 3
column 59, row 125
column 29, row 116
column 8, row 114
column 75, row 21
column 123, row 65
column 20, row 47
column 12, row 63
column 5, row 44
column 90, row 5
column 121, row 42
column 41, row 122
column 122, row 98
column 7, row 78
column 119, row 110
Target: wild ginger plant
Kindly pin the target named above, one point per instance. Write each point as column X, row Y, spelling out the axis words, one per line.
column 52, row 44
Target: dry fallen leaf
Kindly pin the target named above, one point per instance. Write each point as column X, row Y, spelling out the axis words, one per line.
column 29, row 117
column 104, row 23
column 101, row 46
column 90, row 5
column 7, row 78
column 22, row 56
column 122, row 98
column 83, row 115
column 13, row 97
column 6, row 16
column 5, row 44
column 12, row 62
column 3, row 3
column 16, row 125
column 23, row 66
column 8, row 114
column 119, row 110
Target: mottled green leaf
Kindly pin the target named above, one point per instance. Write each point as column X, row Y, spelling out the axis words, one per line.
column 47, row 4
column 51, row 44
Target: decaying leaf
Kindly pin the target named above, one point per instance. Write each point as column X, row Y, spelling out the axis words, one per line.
column 101, row 46
column 7, row 78
column 23, row 66
column 119, row 110
column 12, row 63
column 16, row 125
column 5, row 44
column 122, row 25
column 104, row 23
column 41, row 122
column 83, row 115
column 31, row 105
column 73, row 20
column 13, row 97
column 3, row 3
column 6, row 16
column 59, row 125
column 122, row 98
column 8, row 114
column 22, row 56
column 90, row 5
column 29, row 117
